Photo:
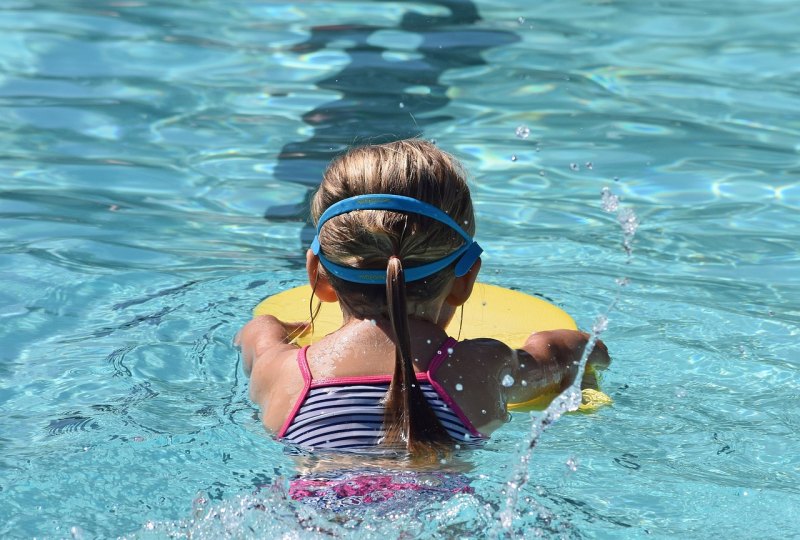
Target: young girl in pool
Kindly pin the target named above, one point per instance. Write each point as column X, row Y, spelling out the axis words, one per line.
column 394, row 227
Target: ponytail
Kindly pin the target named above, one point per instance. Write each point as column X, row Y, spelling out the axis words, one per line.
column 408, row 419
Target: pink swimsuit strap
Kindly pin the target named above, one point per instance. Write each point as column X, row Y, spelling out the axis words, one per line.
column 302, row 363
column 445, row 351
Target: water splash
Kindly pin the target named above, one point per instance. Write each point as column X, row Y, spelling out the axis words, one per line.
column 626, row 218
column 570, row 398
column 610, row 202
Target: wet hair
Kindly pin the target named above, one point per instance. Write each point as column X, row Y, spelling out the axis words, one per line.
column 377, row 239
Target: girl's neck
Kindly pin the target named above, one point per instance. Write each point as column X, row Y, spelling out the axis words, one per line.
column 437, row 313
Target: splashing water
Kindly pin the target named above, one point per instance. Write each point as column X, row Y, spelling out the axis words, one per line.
column 610, row 202
column 626, row 218
column 570, row 398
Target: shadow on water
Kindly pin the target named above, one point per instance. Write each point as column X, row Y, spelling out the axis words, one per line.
column 382, row 98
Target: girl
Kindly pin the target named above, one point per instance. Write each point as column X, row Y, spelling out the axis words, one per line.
column 394, row 246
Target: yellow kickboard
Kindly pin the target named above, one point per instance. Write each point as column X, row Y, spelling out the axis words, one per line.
column 491, row 312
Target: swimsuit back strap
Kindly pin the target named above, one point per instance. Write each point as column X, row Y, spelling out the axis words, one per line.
column 443, row 353
column 302, row 363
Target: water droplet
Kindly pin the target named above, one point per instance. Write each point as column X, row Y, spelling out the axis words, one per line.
column 628, row 221
column 521, row 20
column 507, row 381
column 467, row 437
column 574, row 166
column 450, row 351
column 523, row 132
column 572, row 464
column 483, row 411
column 373, row 322
column 589, row 165
column 680, row 393
column 199, row 504
column 459, row 387
column 438, row 353
column 416, row 359
column 457, row 446
column 623, row 281
column 542, row 173
column 429, row 342
column 609, row 201
column 514, row 157
column 524, row 382
column 402, row 105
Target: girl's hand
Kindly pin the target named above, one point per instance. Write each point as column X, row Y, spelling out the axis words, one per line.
column 572, row 342
column 558, row 353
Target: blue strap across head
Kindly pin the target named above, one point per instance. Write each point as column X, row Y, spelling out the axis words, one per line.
column 464, row 257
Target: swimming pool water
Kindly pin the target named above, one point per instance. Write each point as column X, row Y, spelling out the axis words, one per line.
column 144, row 142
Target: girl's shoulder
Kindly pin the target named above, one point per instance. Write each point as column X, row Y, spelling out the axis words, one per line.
column 473, row 378
column 484, row 350
column 482, row 360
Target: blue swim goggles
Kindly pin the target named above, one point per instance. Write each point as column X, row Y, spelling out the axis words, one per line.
column 464, row 257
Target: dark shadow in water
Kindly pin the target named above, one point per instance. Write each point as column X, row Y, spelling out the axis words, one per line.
column 375, row 104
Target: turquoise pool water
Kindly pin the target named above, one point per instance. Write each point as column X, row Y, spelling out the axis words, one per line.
column 143, row 142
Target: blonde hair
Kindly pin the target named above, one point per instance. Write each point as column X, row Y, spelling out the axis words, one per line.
column 378, row 239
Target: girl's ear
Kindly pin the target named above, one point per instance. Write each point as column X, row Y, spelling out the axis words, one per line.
column 323, row 289
column 462, row 286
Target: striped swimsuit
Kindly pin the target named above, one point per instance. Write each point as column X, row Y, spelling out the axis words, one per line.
column 346, row 413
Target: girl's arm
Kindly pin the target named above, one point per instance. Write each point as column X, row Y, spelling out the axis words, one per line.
column 548, row 363
column 264, row 338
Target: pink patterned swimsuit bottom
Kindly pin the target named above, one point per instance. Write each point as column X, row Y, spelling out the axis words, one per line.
column 342, row 490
